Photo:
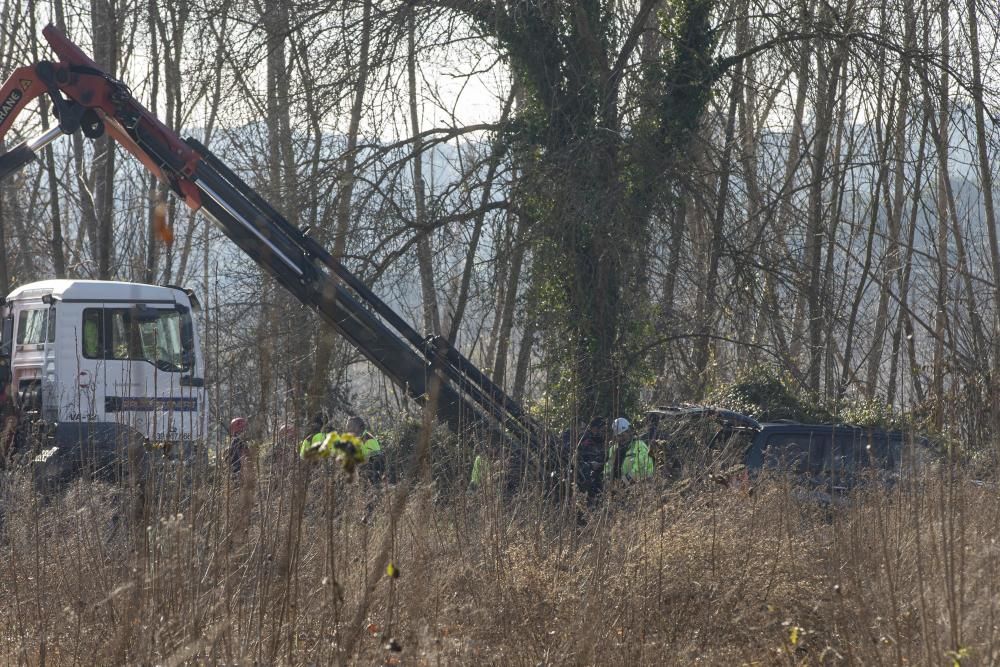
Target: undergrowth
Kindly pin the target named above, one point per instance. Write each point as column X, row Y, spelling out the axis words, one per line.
column 290, row 564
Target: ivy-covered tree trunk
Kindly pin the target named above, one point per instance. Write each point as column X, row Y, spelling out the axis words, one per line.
column 592, row 183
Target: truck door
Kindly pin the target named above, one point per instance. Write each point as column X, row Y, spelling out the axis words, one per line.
column 148, row 353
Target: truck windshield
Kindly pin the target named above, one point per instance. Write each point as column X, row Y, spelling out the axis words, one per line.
column 160, row 336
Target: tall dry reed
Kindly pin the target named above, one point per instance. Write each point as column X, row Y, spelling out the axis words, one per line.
column 287, row 566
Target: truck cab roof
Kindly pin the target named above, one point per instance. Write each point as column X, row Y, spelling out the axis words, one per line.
column 98, row 291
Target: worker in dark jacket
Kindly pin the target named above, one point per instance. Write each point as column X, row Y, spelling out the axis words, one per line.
column 239, row 449
column 590, row 453
column 374, row 460
column 316, row 432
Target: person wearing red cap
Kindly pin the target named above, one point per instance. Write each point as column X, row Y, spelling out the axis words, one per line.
column 239, row 448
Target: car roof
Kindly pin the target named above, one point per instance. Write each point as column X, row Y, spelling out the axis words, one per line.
column 723, row 416
column 733, row 419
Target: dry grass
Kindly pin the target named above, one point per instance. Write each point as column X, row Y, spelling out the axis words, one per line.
column 288, row 568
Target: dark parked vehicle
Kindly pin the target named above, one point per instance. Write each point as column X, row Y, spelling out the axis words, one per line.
column 837, row 456
column 692, row 439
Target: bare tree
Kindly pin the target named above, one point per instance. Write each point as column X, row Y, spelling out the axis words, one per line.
column 425, row 258
column 986, row 190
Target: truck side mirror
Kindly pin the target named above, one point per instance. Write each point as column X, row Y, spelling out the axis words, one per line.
column 6, row 336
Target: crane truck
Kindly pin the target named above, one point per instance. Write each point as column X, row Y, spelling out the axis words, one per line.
column 142, row 376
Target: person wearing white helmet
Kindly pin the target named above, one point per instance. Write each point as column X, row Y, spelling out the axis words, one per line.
column 628, row 457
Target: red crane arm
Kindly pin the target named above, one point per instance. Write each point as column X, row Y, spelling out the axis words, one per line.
column 85, row 96
column 20, row 88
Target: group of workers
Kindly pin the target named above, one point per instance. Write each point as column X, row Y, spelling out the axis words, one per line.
column 600, row 457
column 365, row 449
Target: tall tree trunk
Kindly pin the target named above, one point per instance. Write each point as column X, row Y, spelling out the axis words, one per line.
column 173, row 26
column 986, row 187
column 326, row 339
column 707, row 317
column 943, row 292
column 964, row 272
column 105, row 23
column 506, row 324
column 502, row 262
column 524, row 355
column 275, row 21
column 425, row 254
column 827, row 88
column 651, row 53
column 749, row 161
column 838, row 177
column 892, row 266
column 156, row 193
column 905, row 324
column 916, row 207
column 56, row 242
column 785, row 210
column 209, row 312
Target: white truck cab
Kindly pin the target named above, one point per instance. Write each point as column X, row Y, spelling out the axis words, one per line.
column 104, row 363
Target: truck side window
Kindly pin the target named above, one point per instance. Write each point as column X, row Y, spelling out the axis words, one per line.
column 93, row 340
column 126, row 342
column 33, row 327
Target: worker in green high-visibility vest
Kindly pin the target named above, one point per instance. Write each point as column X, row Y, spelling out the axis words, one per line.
column 374, row 459
column 628, row 458
column 479, row 472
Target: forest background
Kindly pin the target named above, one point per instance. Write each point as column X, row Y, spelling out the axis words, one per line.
column 606, row 205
